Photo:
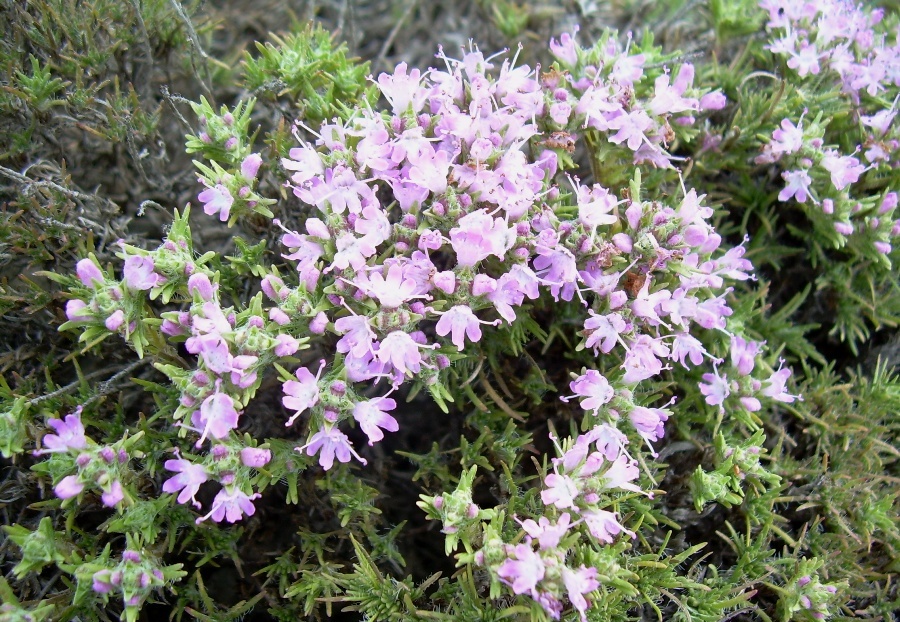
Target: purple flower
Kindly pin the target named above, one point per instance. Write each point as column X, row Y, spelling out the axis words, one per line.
column 372, row 416
column 565, row 50
column 716, row 389
column 548, row 534
column 217, row 200
column 593, row 388
column 797, row 186
column 331, row 443
column 217, row 416
column 302, row 393
column 400, row 351
column 560, row 491
column 604, row 525
column 69, row 434
column 139, row 273
column 231, row 504
column 458, row 321
column 578, row 583
column 190, row 477
column 522, row 570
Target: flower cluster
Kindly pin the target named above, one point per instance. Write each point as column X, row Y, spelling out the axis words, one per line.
column 840, row 41
column 95, row 467
column 425, row 226
column 134, row 578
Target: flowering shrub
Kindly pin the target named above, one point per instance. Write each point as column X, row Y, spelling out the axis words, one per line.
column 443, row 237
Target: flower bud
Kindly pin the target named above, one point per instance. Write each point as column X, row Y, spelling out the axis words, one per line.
column 278, row 316
column 318, row 229
column 254, row 457
column 200, row 284
column 114, row 321
column 250, row 166
column 445, row 281
column 713, row 101
column 255, row 321
column 482, row 285
column 319, row 323
column 286, row 345
column 89, row 273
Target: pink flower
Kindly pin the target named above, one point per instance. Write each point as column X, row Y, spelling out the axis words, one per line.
column 357, row 335
column 217, row 416
column 200, row 284
column 797, row 186
column 522, row 570
column 250, row 166
column 217, row 200
column 806, row 60
column 139, row 273
column 400, row 351
column 458, row 321
column 331, row 443
column 743, row 354
column 713, row 101
column 302, row 393
column 392, row 291
column 372, row 417
column 621, row 473
column 190, row 477
column 596, row 206
column 593, row 388
column 69, row 434
column 845, row 170
column 774, row 386
column 477, row 236
column 715, row 388
column 604, row 525
column 566, row 49
column 231, row 504
column 548, row 534
column 578, row 583
column 603, row 331
column 649, row 422
column 403, row 90
column 285, row 345
column 561, row 491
